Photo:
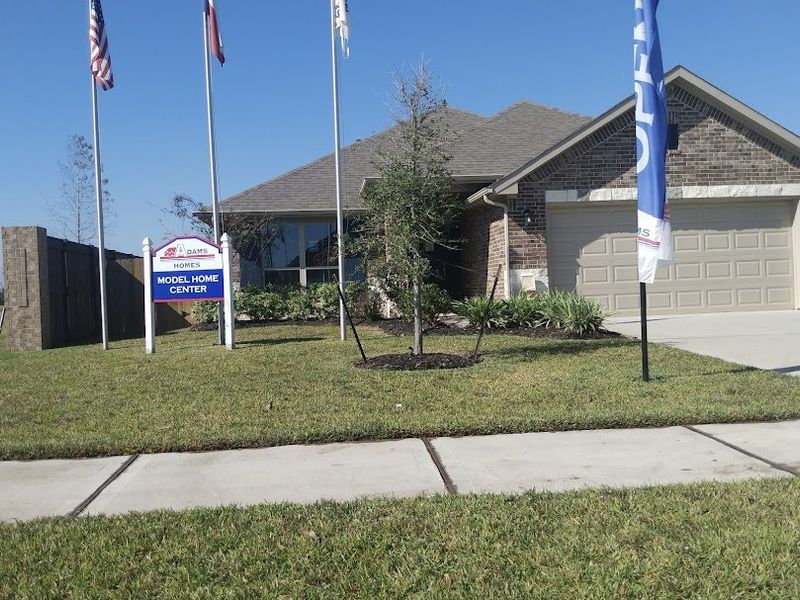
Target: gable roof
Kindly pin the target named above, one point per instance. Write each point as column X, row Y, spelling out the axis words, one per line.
column 484, row 150
column 679, row 75
column 511, row 137
column 312, row 187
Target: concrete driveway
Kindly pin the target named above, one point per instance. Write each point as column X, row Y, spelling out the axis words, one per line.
column 766, row 340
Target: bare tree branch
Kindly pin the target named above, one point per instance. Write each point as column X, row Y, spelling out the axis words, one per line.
column 75, row 211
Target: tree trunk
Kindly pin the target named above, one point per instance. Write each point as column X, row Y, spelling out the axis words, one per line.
column 417, row 316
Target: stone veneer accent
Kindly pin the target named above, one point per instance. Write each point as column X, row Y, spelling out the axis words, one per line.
column 27, row 297
column 716, row 154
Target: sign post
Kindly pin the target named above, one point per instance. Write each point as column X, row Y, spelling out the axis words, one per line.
column 187, row 268
column 149, row 307
column 230, row 342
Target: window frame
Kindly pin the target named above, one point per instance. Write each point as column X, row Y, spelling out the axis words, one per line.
column 301, row 241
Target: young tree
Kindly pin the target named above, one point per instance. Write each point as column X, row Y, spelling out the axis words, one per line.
column 413, row 202
column 75, row 212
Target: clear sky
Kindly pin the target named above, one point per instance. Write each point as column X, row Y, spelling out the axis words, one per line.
column 273, row 95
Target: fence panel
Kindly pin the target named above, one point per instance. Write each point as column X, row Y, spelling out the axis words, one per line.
column 73, row 274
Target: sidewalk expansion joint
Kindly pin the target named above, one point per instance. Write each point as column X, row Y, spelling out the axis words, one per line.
column 773, row 464
column 437, row 460
column 122, row 468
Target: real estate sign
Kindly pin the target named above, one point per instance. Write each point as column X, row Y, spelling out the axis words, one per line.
column 188, row 268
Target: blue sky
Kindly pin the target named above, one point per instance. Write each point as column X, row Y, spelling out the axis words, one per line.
column 273, row 95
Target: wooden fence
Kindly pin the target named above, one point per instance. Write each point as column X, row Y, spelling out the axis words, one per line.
column 74, row 295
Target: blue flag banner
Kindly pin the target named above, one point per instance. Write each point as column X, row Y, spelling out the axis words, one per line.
column 652, row 125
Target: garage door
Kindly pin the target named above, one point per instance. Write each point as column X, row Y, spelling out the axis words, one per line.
column 729, row 256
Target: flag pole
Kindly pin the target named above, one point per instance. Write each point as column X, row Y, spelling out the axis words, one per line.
column 212, row 152
column 337, row 158
column 643, row 319
column 98, row 189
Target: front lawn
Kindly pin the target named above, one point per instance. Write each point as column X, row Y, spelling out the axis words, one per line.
column 290, row 384
column 708, row 541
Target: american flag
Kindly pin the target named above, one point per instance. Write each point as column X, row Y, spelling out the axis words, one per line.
column 100, row 57
column 213, row 32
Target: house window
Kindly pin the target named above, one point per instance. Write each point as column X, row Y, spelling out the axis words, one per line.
column 321, row 258
column 304, row 254
column 282, row 258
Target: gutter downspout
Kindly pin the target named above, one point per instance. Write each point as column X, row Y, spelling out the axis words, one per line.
column 507, row 265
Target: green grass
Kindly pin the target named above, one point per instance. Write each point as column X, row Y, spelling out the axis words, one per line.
column 704, row 541
column 192, row 395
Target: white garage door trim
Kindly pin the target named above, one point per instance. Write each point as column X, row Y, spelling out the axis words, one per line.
column 730, row 255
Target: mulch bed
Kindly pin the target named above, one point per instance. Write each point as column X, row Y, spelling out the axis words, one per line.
column 557, row 334
column 401, row 327
column 422, row 362
column 247, row 324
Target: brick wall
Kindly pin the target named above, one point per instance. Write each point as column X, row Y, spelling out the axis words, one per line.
column 27, row 322
column 484, row 249
column 714, row 150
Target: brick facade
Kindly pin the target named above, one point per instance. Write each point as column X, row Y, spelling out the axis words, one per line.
column 27, row 295
column 714, row 149
column 483, row 250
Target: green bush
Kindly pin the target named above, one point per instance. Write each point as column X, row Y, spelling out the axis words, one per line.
column 435, row 301
column 561, row 310
column 572, row 313
column 523, row 310
column 324, row 301
column 246, row 301
column 362, row 300
column 473, row 309
column 204, row 312
column 260, row 304
column 315, row 302
column 298, row 304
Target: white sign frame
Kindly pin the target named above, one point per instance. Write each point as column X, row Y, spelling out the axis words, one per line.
column 196, row 255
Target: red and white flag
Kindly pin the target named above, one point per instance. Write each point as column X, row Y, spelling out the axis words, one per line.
column 213, row 31
column 99, row 55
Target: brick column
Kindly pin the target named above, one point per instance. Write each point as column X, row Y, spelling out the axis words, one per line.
column 27, row 299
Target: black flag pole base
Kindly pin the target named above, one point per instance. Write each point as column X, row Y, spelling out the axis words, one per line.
column 643, row 317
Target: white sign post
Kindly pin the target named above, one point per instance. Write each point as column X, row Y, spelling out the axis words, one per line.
column 227, row 266
column 188, row 268
column 149, row 307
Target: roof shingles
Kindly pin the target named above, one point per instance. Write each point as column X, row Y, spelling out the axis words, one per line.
column 485, row 146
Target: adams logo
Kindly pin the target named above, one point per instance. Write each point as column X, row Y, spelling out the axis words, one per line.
column 180, row 251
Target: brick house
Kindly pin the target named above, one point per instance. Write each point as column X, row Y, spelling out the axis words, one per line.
column 550, row 202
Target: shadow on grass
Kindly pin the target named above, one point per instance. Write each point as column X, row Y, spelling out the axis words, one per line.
column 555, row 347
column 734, row 370
column 278, row 341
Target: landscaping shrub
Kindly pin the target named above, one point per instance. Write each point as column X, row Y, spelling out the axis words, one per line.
column 435, row 301
column 561, row 310
column 260, row 304
column 315, row 302
column 474, row 308
column 298, row 304
column 204, row 312
column 362, row 300
column 571, row 312
column 246, row 301
column 522, row 310
column 324, row 301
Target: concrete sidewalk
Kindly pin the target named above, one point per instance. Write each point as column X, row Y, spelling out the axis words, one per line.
column 400, row 468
